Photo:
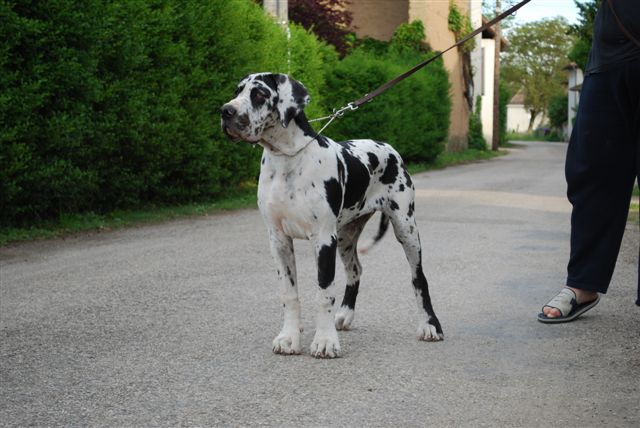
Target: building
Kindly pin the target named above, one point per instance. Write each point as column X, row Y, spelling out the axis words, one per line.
column 576, row 77
column 518, row 116
column 378, row 19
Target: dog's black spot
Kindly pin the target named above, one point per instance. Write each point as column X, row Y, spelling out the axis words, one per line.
column 269, row 80
column 289, row 114
column 412, row 207
column 401, row 187
column 327, row 263
column 357, row 179
column 420, row 284
column 239, row 89
column 340, row 166
column 391, row 171
column 393, row 205
column 333, row 301
column 407, row 178
column 333, row 191
column 262, row 162
column 373, row 162
column 350, row 294
column 299, row 93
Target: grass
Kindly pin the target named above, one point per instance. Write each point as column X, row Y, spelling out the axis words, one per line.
column 634, row 213
column 244, row 198
column 446, row 159
column 634, row 208
column 75, row 223
column 517, row 136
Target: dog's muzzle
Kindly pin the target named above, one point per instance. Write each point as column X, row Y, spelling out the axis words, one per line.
column 234, row 125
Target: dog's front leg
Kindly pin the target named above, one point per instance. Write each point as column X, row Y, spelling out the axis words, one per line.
column 325, row 342
column 288, row 341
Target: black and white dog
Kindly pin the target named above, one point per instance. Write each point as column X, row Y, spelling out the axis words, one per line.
column 325, row 191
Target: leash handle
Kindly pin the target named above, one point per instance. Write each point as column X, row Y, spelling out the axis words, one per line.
column 389, row 84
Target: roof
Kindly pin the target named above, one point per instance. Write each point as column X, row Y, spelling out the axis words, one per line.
column 518, row 98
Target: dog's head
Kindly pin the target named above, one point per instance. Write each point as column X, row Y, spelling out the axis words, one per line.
column 262, row 101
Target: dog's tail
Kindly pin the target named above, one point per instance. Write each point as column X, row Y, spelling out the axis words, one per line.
column 382, row 229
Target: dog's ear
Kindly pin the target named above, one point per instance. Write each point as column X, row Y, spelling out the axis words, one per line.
column 292, row 98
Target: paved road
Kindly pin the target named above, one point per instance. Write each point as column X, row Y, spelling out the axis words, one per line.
column 171, row 324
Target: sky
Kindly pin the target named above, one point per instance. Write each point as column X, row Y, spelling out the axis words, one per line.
column 540, row 9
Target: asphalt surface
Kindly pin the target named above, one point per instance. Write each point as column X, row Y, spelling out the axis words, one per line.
column 171, row 324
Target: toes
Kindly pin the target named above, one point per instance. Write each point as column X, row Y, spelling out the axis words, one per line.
column 286, row 345
column 325, row 347
column 429, row 333
column 344, row 317
column 551, row 312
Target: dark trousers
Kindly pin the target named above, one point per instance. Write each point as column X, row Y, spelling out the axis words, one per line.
column 603, row 160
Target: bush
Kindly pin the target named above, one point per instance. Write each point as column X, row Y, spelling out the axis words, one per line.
column 109, row 105
column 476, row 138
column 412, row 116
column 558, row 111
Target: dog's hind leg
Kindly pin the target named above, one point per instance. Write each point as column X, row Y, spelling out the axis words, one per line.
column 288, row 341
column 348, row 249
column 406, row 231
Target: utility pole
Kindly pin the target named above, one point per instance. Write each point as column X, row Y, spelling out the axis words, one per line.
column 279, row 9
column 495, row 139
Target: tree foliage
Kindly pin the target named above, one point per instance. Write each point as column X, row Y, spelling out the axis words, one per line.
column 109, row 105
column 414, row 116
column 328, row 19
column 535, row 60
column 583, row 32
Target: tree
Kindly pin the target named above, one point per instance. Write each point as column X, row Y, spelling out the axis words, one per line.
column 535, row 60
column 583, row 31
column 328, row 19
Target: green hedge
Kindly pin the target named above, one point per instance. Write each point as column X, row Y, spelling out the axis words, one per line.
column 107, row 105
column 412, row 116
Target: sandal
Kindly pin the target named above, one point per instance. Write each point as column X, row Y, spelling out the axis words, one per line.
column 566, row 303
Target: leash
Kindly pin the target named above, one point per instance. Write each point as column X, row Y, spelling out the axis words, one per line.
column 354, row 105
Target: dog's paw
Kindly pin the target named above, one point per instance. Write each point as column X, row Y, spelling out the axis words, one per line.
column 287, row 343
column 325, row 345
column 429, row 333
column 344, row 318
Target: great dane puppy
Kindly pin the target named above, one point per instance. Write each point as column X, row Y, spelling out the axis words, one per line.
column 324, row 191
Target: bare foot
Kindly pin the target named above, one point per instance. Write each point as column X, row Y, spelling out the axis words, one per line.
column 582, row 296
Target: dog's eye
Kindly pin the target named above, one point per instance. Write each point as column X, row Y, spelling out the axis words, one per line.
column 262, row 94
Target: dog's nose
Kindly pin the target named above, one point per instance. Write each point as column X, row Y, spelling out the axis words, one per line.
column 228, row 111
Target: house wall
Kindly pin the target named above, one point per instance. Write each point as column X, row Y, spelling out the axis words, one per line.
column 488, row 47
column 379, row 18
column 435, row 16
column 475, row 13
column 575, row 78
column 518, row 118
